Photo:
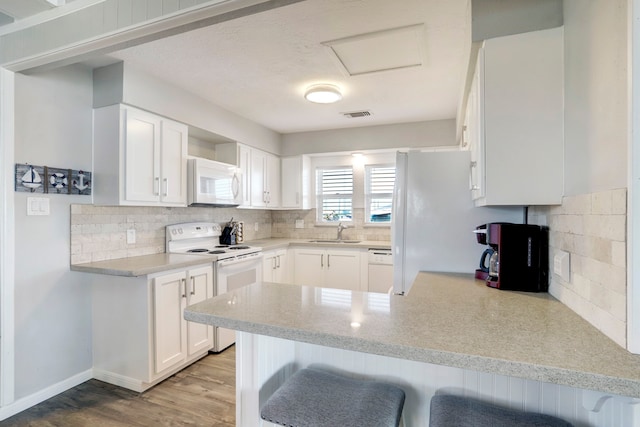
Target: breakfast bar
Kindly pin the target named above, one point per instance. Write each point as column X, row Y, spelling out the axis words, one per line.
column 449, row 333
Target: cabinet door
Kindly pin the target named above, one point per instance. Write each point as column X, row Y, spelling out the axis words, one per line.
column 200, row 288
column 169, row 332
column 174, row 141
column 309, row 267
column 475, row 131
column 269, row 266
column 258, row 171
column 291, row 182
column 343, row 269
column 272, row 180
column 282, row 267
column 142, row 156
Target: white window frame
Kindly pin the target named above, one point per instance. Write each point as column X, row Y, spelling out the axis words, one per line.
column 368, row 195
column 321, row 197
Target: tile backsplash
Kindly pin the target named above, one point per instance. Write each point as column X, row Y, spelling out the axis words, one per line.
column 100, row 232
column 284, row 227
column 592, row 228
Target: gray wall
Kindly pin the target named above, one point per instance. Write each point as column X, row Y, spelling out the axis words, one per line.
column 402, row 135
column 52, row 305
column 595, row 95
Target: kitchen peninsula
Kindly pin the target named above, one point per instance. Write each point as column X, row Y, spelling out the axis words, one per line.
column 450, row 333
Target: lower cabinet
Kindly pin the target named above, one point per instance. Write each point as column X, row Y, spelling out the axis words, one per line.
column 275, row 266
column 329, row 268
column 140, row 336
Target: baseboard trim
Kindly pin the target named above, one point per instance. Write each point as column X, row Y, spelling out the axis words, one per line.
column 120, row 380
column 44, row 394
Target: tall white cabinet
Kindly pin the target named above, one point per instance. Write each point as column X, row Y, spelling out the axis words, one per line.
column 141, row 158
column 139, row 334
column 514, row 120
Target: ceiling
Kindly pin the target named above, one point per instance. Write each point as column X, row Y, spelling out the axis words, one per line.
column 259, row 66
column 401, row 61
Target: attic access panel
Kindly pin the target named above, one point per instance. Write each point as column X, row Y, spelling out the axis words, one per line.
column 384, row 50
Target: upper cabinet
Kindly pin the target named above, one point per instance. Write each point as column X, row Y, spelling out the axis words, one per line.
column 260, row 174
column 265, row 179
column 296, row 182
column 141, row 158
column 514, row 120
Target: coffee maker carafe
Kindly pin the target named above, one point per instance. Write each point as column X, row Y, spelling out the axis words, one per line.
column 520, row 258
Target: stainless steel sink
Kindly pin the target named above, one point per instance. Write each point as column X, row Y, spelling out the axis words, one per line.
column 334, row 241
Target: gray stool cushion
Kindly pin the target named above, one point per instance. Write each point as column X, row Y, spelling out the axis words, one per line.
column 312, row 397
column 457, row 411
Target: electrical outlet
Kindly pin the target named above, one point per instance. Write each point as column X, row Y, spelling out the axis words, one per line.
column 255, row 226
column 299, row 223
column 562, row 265
column 131, row 236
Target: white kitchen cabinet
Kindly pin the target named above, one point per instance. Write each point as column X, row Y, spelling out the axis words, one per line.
column 329, row 268
column 139, row 334
column 141, row 158
column 515, row 120
column 296, row 182
column 275, row 266
column 265, row 179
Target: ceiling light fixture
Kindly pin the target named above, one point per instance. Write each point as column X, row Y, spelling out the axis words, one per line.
column 323, row 94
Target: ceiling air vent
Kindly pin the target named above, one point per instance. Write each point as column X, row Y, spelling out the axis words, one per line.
column 356, row 114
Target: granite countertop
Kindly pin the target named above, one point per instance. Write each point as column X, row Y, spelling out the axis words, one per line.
column 278, row 243
column 142, row 265
column 447, row 319
column 156, row 263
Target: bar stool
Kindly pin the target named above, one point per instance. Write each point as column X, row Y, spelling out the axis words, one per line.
column 315, row 398
column 457, row 411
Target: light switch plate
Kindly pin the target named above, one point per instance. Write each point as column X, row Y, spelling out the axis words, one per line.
column 38, row 206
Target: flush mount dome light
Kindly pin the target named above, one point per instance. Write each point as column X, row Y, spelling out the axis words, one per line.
column 323, row 94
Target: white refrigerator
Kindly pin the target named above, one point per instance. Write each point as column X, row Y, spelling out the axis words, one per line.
column 433, row 216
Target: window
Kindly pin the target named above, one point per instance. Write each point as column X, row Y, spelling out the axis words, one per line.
column 334, row 194
column 379, row 182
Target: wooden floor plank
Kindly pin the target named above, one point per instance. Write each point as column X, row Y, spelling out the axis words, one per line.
column 202, row 394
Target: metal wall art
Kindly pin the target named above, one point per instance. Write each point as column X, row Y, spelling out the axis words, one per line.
column 45, row 179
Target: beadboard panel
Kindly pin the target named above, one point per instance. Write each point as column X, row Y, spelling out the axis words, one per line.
column 69, row 33
column 258, row 377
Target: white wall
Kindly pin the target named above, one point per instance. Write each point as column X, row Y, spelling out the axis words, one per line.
column 595, row 95
column 402, row 135
column 52, row 305
column 144, row 91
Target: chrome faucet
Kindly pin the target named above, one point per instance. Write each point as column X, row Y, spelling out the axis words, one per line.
column 340, row 228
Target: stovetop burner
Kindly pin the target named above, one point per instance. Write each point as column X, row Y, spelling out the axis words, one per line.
column 200, row 238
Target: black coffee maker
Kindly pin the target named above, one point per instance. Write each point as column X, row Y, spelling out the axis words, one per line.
column 518, row 256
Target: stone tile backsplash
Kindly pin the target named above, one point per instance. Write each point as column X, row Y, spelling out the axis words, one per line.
column 284, row 227
column 100, row 232
column 592, row 229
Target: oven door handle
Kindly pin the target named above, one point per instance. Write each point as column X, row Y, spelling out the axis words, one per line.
column 232, row 261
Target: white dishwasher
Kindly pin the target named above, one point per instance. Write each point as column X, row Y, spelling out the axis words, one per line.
column 380, row 270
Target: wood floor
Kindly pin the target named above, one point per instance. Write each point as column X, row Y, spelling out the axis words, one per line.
column 201, row 395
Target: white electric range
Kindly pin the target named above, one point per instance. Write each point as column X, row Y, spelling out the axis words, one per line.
column 234, row 266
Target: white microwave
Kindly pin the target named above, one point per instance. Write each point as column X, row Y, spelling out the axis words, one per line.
column 213, row 183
